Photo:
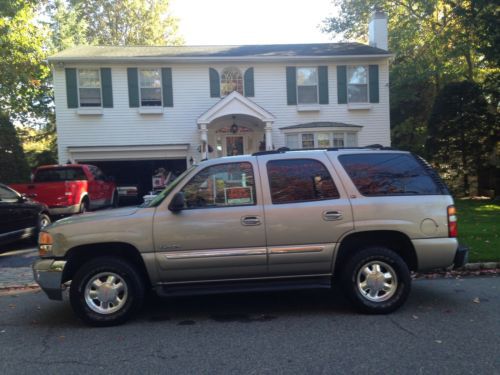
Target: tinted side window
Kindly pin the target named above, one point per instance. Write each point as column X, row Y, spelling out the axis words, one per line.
column 59, row 174
column 388, row 174
column 221, row 186
column 300, row 180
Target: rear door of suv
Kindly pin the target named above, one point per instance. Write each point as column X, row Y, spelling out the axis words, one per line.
column 306, row 211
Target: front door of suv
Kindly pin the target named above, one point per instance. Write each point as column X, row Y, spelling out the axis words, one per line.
column 306, row 210
column 220, row 232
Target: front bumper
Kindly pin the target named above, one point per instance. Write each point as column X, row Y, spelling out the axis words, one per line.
column 461, row 256
column 48, row 274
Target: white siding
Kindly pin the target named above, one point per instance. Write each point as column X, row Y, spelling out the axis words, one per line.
column 122, row 125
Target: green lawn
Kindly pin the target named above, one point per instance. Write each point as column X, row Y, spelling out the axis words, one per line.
column 479, row 228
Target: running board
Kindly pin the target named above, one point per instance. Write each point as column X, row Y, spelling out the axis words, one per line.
column 214, row 287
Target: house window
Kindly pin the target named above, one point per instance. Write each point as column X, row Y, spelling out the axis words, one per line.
column 231, row 80
column 307, row 140
column 307, row 85
column 321, row 139
column 89, row 87
column 357, row 84
column 150, row 87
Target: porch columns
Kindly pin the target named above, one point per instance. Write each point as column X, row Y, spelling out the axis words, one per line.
column 269, row 135
column 204, row 140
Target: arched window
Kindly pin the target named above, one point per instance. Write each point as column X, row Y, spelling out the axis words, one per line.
column 231, row 80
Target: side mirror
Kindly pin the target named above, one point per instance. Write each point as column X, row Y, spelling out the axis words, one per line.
column 177, row 203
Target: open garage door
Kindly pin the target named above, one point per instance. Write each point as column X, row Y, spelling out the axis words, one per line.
column 134, row 177
column 133, row 167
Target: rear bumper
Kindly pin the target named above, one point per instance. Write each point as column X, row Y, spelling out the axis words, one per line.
column 461, row 256
column 67, row 210
column 48, row 274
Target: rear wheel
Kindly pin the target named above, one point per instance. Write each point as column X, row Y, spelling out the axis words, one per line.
column 115, row 201
column 376, row 280
column 84, row 206
column 106, row 291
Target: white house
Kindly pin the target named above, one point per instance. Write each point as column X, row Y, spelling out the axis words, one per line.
column 134, row 109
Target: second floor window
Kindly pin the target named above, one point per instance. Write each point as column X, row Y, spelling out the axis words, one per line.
column 307, row 86
column 357, row 84
column 150, row 87
column 231, row 80
column 89, row 87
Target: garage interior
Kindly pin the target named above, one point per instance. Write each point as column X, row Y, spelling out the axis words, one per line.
column 138, row 173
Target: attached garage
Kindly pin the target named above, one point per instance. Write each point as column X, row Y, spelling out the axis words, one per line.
column 133, row 166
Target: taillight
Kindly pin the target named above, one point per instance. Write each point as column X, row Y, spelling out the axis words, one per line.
column 452, row 221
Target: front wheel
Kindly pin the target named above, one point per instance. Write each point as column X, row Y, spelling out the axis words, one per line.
column 106, row 291
column 376, row 280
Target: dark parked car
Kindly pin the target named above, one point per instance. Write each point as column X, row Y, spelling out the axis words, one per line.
column 20, row 217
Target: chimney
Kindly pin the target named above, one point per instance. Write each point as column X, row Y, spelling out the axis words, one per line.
column 377, row 29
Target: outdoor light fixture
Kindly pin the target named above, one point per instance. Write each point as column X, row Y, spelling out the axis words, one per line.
column 234, row 127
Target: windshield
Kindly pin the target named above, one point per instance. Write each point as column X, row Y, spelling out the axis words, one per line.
column 160, row 197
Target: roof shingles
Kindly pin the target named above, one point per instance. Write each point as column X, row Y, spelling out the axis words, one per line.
column 243, row 51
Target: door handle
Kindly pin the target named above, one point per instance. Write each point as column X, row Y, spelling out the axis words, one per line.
column 250, row 220
column 332, row 215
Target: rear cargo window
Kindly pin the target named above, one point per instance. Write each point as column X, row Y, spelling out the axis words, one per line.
column 389, row 174
column 59, row 174
column 300, row 180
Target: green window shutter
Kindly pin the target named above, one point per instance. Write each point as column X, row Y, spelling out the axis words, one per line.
column 166, row 82
column 323, row 84
column 107, row 88
column 214, row 83
column 248, row 79
column 133, row 87
column 71, row 88
column 291, row 85
column 373, row 82
column 342, row 84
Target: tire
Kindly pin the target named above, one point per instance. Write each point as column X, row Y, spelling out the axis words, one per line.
column 115, row 200
column 42, row 222
column 106, row 291
column 84, row 206
column 376, row 280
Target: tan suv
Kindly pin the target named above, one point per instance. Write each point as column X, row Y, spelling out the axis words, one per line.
column 272, row 220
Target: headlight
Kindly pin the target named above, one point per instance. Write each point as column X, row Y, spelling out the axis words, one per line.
column 45, row 242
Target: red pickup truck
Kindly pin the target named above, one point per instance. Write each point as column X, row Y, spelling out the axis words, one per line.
column 70, row 189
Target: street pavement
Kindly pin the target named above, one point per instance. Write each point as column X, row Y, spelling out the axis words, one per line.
column 15, row 264
column 448, row 326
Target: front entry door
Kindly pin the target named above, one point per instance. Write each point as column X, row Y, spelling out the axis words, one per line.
column 220, row 233
column 235, row 145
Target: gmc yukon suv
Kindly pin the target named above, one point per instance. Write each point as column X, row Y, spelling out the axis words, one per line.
column 363, row 218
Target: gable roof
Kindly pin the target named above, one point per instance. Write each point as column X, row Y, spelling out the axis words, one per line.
column 235, row 103
column 236, row 52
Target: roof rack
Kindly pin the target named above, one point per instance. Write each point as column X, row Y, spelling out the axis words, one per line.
column 282, row 150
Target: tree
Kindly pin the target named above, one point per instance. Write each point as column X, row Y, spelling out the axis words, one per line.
column 68, row 28
column 13, row 165
column 462, row 131
column 23, row 73
column 434, row 42
column 128, row 22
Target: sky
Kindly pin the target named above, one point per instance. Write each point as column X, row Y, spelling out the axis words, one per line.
column 205, row 22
